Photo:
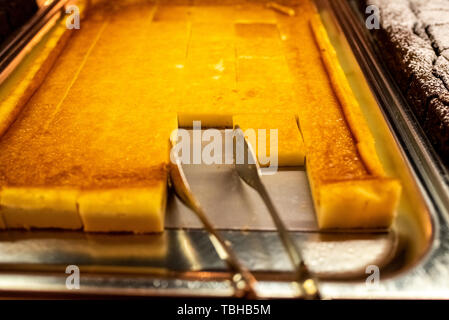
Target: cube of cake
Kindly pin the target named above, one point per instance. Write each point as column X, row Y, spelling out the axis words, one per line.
column 349, row 186
column 290, row 147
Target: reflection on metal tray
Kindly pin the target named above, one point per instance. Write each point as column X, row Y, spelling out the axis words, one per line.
column 411, row 257
column 329, row 255
column 232, row 204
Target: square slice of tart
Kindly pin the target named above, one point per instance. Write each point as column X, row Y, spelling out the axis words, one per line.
column 289, row 148
column 140, row 210
column 27, row 208
column 104, row 173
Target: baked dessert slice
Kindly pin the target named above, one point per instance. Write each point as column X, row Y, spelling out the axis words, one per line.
column 101, row 175
column 128, row 191
column 103, row 171
column 349, row 186
column 140, row 210
column 39, row 207
column 81, row 154
column 289, row 149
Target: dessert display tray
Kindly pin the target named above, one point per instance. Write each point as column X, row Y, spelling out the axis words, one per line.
column 412, row 257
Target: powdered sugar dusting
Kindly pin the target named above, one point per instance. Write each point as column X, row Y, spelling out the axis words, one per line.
column 415, row 37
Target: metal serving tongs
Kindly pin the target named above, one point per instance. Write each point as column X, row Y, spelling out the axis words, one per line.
column 249, row 172
column 244, row 282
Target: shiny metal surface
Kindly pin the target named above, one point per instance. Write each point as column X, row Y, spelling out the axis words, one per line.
column 242, row 279
column 225, row 198
column 151, row 264
column 248, row 169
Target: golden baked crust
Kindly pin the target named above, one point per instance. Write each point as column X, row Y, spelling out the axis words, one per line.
column 290, row 146
column 94, row 136
column 348, row 102
column 103, row 159
column 33, row 72
column 348, row 183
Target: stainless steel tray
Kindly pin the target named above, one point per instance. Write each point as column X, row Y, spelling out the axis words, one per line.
column 181, row 262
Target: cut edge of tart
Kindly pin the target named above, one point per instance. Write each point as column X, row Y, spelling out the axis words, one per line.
column 365, row 198
column 27, row 208
column 140, row 210
column 290, row 145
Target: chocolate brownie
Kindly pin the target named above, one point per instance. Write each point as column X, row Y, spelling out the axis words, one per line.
column 437, row 125
column 414, row 41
